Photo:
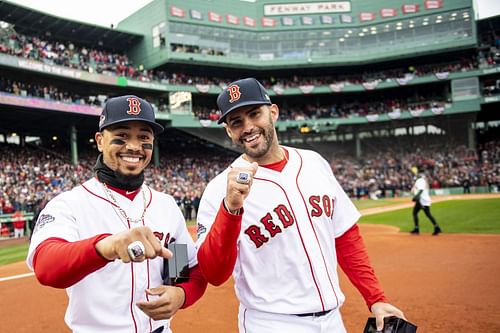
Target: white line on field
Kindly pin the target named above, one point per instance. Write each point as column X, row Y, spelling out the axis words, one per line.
column 13, row 277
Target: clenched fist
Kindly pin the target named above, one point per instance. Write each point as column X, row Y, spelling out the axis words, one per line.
column 115, row 246
column 239, row 182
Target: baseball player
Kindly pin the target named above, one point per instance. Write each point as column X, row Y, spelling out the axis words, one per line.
column 104, row 241
column 422, row 200
column 278, row 220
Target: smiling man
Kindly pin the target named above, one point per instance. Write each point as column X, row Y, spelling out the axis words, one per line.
column 279, row 222
column 105, row 240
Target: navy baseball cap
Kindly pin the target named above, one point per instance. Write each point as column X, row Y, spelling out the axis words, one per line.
column 241, row 93
column 128, row 108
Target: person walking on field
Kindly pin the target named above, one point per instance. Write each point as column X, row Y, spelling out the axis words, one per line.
column 278, row 220
column 422, row 201
column 105, row 240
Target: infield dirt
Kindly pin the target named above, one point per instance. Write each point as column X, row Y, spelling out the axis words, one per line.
column 447, row 283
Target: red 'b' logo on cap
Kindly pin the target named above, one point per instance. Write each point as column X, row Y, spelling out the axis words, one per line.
column 234, row 93
column 134, row 106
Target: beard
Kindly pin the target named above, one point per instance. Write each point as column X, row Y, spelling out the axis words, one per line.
column 261, row 150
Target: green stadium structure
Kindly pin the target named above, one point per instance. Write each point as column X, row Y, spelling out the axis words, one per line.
column 403, row 67
column 283, row 33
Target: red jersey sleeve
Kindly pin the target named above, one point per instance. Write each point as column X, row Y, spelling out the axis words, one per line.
column 194, row 288
column 217, row 254
column 60, row 264
column 353, row 259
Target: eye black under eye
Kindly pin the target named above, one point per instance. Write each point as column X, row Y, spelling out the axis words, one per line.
column 117, row 141
column 147, row 146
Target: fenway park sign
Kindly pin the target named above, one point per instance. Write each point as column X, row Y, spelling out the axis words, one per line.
column 307, row 8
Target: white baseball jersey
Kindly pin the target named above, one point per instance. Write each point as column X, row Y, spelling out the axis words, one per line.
column 104, row 301
column 286, row 260
column 425, row 198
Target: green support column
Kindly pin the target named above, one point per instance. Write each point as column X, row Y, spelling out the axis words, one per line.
column 156, row 154
column 471, row 135
column 74, row 145
column 358, row 144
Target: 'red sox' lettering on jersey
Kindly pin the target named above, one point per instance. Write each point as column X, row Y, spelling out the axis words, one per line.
column 321, row 205
column 268, row 228
column 255, row 232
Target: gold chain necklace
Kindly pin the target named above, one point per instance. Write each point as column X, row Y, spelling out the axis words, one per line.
column 121, row 210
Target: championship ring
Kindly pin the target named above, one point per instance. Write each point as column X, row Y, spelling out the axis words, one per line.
column 136, row 250
column 243, row 178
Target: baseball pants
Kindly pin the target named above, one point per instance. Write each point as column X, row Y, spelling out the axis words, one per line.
column 427, row 211
column 18, row 233
column 253, row 321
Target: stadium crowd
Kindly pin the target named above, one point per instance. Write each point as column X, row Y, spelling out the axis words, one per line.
column 353, row 107
column 29, row 176
column 99, row 60
column 102, row 61
column 344, row 108
column 49, row 92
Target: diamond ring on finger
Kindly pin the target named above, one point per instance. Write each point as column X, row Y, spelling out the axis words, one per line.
column 243, row 178
column 136, row 250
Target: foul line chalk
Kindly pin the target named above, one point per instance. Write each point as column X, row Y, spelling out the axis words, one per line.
column 13, row 277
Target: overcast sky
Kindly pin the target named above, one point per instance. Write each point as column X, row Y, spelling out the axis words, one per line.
column 107, row 12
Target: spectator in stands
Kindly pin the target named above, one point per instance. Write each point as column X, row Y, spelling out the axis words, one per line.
column 187, row 202
column 4, row 230
column 8, row 208
column 178, row 199
column 196, row 202
column 39, row 206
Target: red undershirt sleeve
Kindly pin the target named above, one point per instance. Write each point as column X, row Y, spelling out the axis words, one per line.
column 194, row 288
column 353, row 259
column 60, row 264
column 217, row 254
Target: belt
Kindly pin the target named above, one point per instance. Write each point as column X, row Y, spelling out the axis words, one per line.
column 314, row 314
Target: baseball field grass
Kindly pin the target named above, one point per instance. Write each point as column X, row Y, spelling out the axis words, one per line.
column 364, row 203
column 454, row 216
column 13, row 253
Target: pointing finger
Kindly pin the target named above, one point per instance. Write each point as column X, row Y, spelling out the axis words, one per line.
column 166, row 253
column 158, row 249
